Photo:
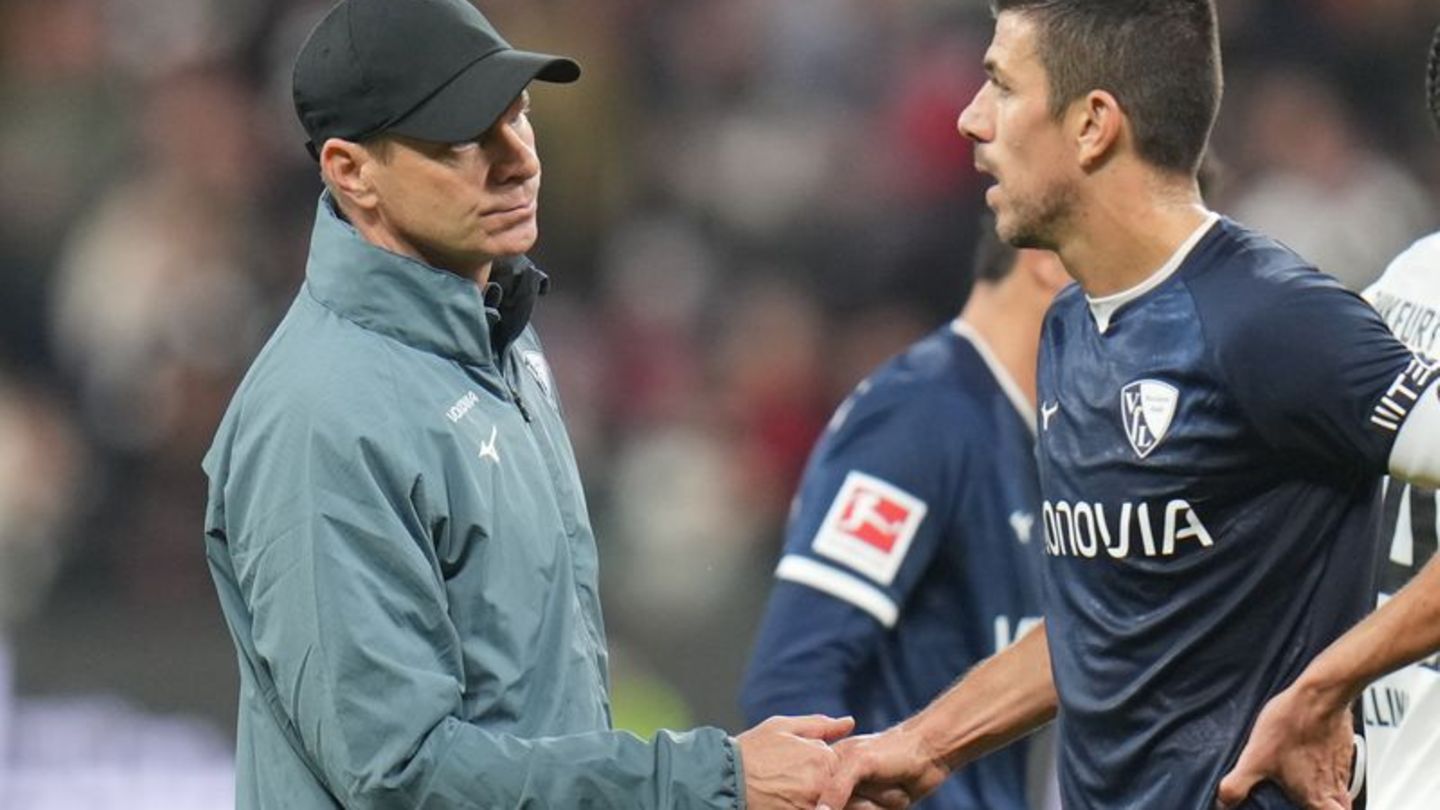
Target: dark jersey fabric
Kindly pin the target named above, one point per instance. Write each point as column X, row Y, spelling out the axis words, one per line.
column 936, row 424
column 1210, row 473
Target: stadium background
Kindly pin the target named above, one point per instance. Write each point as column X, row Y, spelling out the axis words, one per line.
column 747, row 203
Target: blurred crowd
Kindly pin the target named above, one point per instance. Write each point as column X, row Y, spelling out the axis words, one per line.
column 746, row 205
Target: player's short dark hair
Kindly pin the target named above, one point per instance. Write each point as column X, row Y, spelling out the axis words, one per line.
column 1159, row 58
column 1432, row 78
column 994, row 257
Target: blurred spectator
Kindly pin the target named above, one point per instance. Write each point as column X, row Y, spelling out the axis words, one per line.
column 157, row 307
column 157, row 279
column 680, row 525
column 62, row 137
column 41, row 466
column 772, row 389
column 659, row 273
column 77, row 752
column 1321, row 187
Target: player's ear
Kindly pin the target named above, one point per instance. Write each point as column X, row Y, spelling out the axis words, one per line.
column 344, row 167
column 1099, row 125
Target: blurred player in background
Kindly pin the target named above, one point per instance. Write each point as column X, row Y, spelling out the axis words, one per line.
column 396, row 527
column 1222, row 415
column 62, row 750
column 913, row 547
column 1402, row 709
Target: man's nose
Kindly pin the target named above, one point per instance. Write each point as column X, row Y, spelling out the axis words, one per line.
column 971, row 123
column 515, row 157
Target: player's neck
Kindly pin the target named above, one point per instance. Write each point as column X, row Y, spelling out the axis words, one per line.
column 1120, row 238
column 1009, row 323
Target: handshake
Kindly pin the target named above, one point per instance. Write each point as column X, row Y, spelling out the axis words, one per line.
column 810, row 762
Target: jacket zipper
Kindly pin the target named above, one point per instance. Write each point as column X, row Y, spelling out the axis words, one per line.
column 592, row 632
column 519, row 403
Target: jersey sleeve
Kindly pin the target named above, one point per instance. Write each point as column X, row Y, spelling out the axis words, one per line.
column 1321, row 377
column 867, row 522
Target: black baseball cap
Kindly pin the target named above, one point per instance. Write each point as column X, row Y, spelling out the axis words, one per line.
column 436, row 70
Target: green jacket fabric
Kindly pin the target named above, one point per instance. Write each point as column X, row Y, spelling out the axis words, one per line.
column 401, row 548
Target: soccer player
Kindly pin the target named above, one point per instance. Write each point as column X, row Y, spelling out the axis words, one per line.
column 1303, row 731
column 1221, row 415
column 913, row 549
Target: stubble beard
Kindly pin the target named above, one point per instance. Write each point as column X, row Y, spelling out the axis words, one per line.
column 1037, row 224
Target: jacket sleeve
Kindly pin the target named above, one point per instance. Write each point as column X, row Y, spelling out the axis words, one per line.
column 334, row 564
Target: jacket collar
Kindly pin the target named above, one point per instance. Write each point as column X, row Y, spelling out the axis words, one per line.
column 429, row 309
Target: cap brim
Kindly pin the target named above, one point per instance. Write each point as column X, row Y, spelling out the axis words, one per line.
column 471, row 102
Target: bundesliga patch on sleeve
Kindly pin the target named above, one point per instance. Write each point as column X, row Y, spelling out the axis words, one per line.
column 870, row 526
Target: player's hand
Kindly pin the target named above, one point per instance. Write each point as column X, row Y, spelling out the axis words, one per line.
column 882, row 770
column 1302, row 742
column 787, row 760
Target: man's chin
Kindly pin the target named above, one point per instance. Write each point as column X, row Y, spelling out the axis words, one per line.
column 514, row 241
column 1022, row 235
column 1011, row 232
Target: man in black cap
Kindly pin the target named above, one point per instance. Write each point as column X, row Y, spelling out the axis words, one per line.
column 396, row 527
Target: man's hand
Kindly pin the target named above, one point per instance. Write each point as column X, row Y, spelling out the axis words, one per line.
column 787, row 761
column 883, row 770
column 1304, row 742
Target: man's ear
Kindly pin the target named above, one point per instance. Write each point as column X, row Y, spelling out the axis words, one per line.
column 345, row 166
column 1099, row 125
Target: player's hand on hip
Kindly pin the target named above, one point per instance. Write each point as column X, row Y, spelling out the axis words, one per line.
column 888, row 770
column 1303, row 743
column 788, row 761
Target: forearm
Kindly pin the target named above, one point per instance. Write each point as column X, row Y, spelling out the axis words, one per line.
column 1405, row 629
column 1002, row 699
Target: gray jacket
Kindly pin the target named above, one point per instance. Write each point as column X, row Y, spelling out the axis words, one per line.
column 400, row 543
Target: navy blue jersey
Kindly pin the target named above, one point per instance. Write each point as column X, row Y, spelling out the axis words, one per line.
column 1210, row 461
column 913, row 552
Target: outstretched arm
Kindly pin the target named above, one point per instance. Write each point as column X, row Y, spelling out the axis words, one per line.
column 1002, row 699
column 1303, row 738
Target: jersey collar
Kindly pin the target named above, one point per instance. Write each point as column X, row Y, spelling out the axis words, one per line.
column 429, row 309
column 998, row 371
column 1104, row 307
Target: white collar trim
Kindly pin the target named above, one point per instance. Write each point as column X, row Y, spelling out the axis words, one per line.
column 1104, row 307
column 1002, row 376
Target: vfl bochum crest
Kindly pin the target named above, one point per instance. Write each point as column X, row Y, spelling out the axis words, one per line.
column 1147, row 406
